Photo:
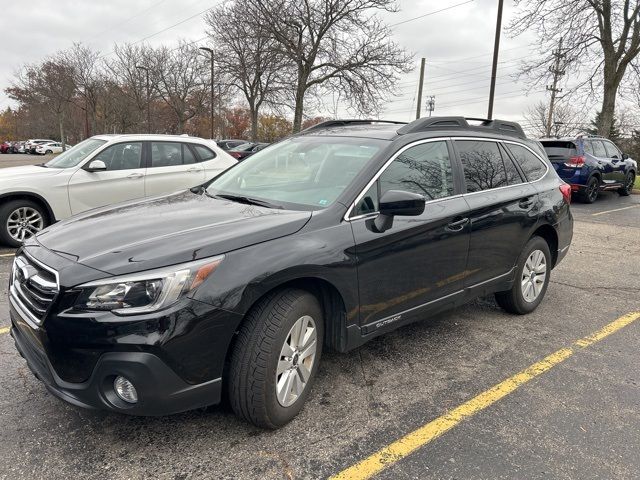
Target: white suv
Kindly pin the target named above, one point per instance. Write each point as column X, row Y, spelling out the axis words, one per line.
column 99, row 171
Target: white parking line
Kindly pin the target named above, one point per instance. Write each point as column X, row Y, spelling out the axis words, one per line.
column 614, row 210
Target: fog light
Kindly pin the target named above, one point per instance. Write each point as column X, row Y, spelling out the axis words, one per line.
column 125, row 390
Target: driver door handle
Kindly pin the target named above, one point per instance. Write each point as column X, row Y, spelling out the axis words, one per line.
column 135, row 176
column 457, row 225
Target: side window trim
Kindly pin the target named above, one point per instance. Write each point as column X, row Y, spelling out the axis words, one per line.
column 499, row 141
column 508, row 157
column 347, row 216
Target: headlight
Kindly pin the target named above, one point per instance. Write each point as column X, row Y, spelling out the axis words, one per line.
column 146, row 291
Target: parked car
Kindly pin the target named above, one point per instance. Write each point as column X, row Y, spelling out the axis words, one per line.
column 31, row 144
column 246, row 150
column 148, row 307
column 22, row 147
column 53, row 147
column 227, row 145
column 5, row 147
column 590, row 165
column 99, row 171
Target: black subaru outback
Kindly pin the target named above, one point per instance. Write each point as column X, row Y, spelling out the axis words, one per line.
column 324, row 240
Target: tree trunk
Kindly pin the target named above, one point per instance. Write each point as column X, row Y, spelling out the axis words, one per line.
column 254, row 124
column 61, row 126
column 608, row 111
column 299, row 100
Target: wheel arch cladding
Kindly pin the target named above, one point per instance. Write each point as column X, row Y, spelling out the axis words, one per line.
column 331, row 301
column 548, row 233
column 33, row 197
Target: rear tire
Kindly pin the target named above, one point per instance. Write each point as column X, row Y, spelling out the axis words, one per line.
column 629, row 180
column 20, row 220
column 533, row 272
column 271, row 358
column 589, row 193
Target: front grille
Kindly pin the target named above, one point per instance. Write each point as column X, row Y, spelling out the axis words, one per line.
column 34, row 287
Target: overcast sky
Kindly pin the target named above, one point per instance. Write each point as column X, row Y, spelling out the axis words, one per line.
column 457, row 44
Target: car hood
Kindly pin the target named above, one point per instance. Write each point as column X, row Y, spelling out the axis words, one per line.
column 28, row 172
column 165, row 230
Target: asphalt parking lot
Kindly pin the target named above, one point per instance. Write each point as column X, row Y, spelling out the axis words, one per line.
column 578, row 417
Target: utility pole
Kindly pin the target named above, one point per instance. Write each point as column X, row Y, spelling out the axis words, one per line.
column 207, row 49
column 419, row 106
column 86, row 117
column 494, row 66
column 557, row 73
column 146, row 70
column 431, row 104
column 222, row 122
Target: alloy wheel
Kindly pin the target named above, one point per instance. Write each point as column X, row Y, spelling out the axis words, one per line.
column 534, row 276
column 23, row 223
column 592, row 190
column 296, row 361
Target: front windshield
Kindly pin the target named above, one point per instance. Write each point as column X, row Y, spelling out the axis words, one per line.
column 75, row 155
column 300, row 171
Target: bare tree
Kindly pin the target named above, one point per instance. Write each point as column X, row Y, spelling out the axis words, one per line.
column 245, row 51
column 85, row 63
column 337, row 44
column 130, row 81
column 180, row 76
column 601, row 40
column 566, row 120
column 50, row 84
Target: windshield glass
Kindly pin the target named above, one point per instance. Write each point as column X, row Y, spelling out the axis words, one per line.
column 75, row 155
column 300, row 171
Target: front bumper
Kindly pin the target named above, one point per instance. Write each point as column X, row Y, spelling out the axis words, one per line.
column 160, row 390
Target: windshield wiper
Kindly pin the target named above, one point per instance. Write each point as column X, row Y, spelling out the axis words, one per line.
column 247, row 200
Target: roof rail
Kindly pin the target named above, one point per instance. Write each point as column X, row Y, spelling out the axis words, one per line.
column 348, row 122
column 503, row 127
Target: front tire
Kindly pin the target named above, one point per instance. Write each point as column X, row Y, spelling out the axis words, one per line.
column 19, row 221
column 533, row 272
column 629, row 181
column 276, row 357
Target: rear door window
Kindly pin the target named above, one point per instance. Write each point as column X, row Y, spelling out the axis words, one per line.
column 483, row 165
column 598, row 149
column 531, row 165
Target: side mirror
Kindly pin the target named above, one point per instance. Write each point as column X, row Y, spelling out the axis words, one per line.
column 96, row 166
column 397, row 202
column 625, row 156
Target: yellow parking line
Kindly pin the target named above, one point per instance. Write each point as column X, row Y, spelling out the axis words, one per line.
column 7, row 254
column 615, row 210
column 401, row 448
column 4, row 330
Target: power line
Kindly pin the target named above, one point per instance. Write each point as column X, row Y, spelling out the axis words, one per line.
column 430, row 13
column 166, row 28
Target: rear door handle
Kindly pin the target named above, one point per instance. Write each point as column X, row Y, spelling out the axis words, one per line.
column 457, row 225
column 525, row 202
column 193, row 170
column 134, row 176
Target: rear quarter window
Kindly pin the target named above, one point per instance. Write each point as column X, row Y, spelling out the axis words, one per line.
column 531, row 165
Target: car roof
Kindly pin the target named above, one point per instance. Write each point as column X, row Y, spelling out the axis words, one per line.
column 149, row 136
column 426, row 127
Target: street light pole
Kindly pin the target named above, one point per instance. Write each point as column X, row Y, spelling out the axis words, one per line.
column 207, row 49
column 140, row 67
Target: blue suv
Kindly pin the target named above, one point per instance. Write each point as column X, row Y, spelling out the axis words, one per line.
column 590, row 165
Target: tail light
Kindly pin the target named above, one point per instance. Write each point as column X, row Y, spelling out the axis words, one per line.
column 235, row 154
column 565, row 189
column 575, row 162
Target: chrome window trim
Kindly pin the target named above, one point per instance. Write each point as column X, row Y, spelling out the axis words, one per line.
column 440, row 139
column 382, row 170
